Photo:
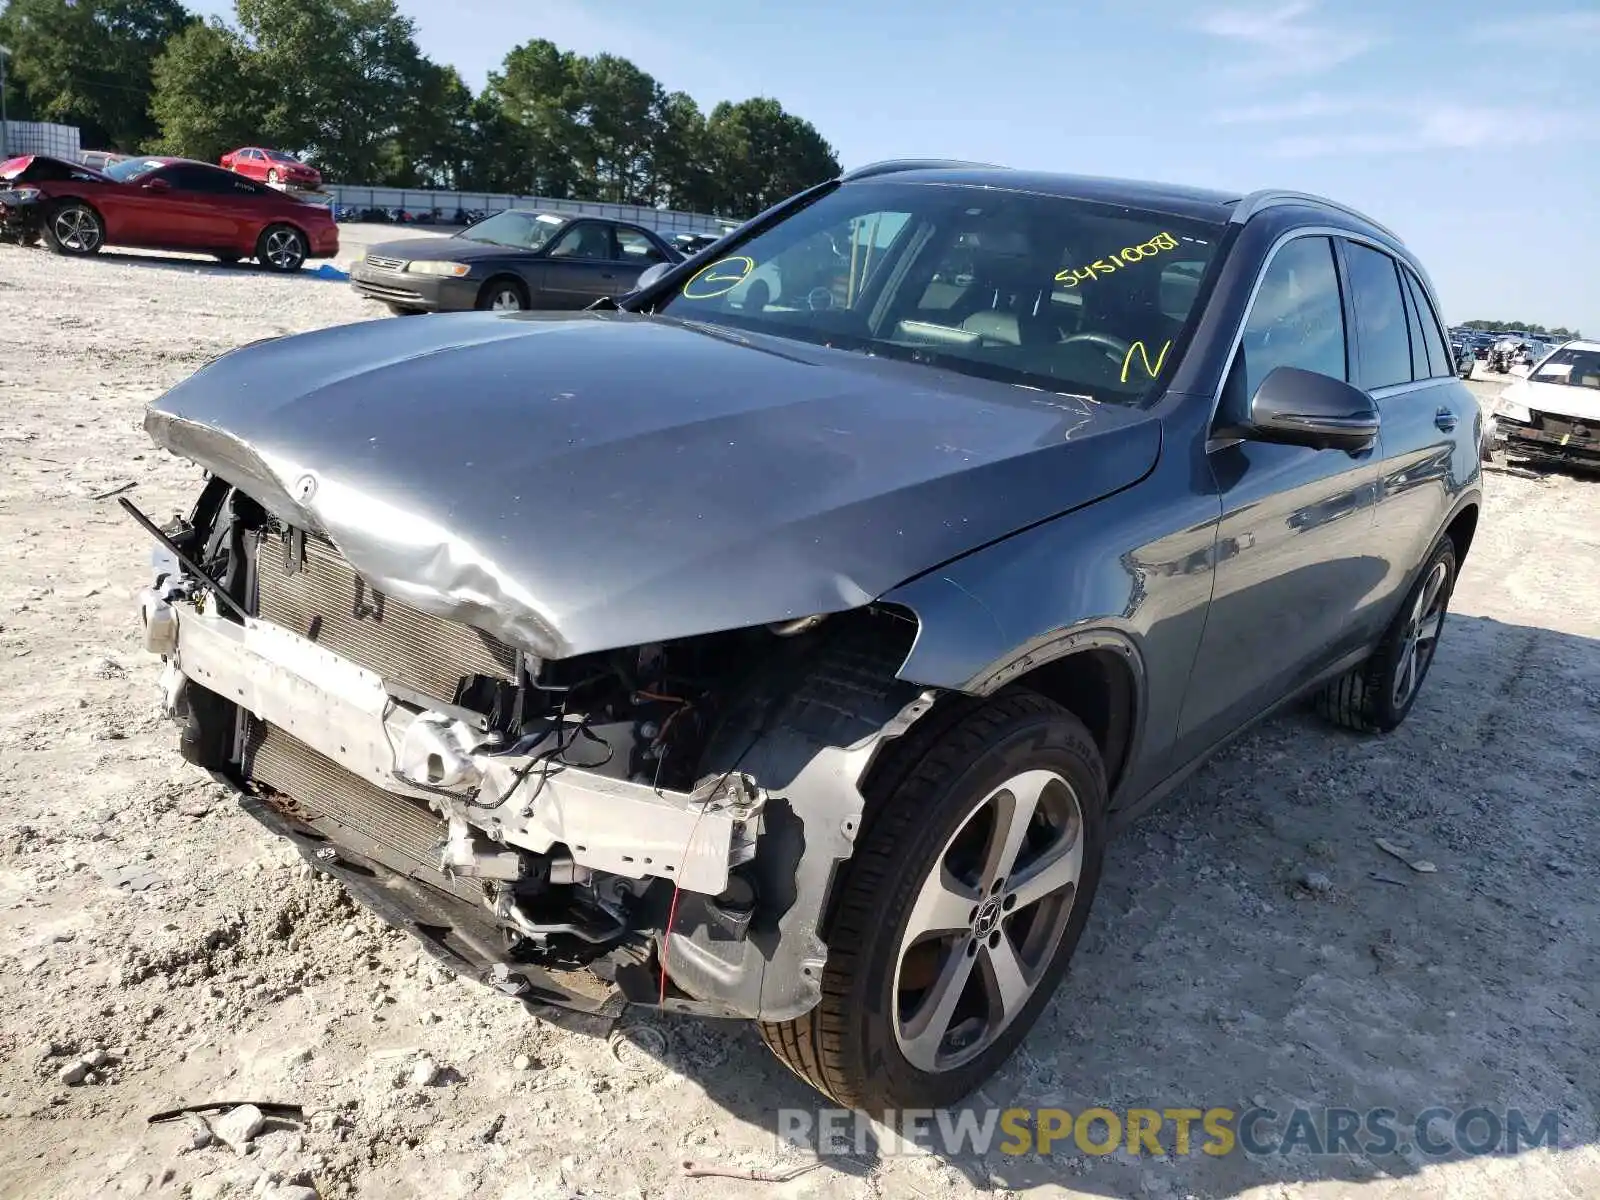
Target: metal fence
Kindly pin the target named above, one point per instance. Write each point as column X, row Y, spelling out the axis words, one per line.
column 40, row 137
column 425, row 200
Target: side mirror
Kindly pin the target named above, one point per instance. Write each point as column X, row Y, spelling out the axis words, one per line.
column 650, row 275
column 1302, row 408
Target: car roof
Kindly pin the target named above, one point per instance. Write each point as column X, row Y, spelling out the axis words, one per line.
column 1579, row 344
column 1201, row 203
column 1205, row 204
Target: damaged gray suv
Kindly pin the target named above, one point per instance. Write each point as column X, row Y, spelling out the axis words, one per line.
column 783, row 640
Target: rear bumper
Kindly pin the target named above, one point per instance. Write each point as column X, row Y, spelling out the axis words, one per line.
column 325, row 242
column 427, row 293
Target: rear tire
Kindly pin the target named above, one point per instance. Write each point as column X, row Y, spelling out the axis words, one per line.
column 929, row 908
column 74, row 229
column 281, row 248
column 1376, row 696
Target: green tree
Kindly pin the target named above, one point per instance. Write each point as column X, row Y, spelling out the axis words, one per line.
column 759, row 154
column 681, row 176
column 88, row 62
column 539, row 92
column 618, row 117
column 209, row 93
column 348, row 83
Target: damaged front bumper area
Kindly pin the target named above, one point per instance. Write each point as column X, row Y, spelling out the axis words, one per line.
column 566, row 857
column 1548, row 438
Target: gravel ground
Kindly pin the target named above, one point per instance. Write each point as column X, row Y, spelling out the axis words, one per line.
column 1250, row 945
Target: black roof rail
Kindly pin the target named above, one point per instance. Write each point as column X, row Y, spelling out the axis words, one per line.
column 1270, row 197
column 892, row 165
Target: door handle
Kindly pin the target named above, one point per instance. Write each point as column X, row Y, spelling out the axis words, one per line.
column 1445, row 420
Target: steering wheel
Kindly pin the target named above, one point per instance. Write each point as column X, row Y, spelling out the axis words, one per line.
column 1114, row 346
column 819, row 299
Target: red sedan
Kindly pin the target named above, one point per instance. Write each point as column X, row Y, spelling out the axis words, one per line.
column 162, row 204
column 272, row 166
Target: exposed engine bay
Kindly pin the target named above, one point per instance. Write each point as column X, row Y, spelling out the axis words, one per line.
column 654, row 824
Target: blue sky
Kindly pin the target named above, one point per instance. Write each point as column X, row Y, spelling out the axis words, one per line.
column 1469, row 127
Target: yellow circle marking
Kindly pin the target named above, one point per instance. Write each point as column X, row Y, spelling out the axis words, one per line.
column 719, row 278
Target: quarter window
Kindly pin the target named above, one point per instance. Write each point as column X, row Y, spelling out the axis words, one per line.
column 1419, row 348
column 1297, row 318
column 1438, row 353
column 1385, row 343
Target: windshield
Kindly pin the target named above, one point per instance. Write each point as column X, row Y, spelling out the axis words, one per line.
column 1572, row 366
column 520, row 230
column 1066, row 295
column 133, row 168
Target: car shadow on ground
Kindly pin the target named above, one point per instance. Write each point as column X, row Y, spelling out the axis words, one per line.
column 1253, row 948
column 192, row 264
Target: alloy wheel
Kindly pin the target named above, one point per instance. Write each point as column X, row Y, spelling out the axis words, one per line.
column 986, row 922
column 1421, row 636
column 285, row 250
column 77, row 229
column 506, row 300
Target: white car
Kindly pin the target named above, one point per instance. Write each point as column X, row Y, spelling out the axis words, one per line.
column 1554, row 414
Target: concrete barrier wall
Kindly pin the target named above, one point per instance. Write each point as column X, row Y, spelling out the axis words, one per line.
column 425, row 200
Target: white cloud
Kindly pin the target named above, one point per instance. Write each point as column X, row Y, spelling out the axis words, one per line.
column 1555, row 30
column 1285, row 41
column 1300, row 108
column 1408, row 127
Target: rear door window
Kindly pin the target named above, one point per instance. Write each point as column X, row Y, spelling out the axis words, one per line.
column 634, row 247
column 1384, row 344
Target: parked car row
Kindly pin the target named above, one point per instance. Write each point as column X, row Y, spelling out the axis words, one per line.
column 160, row 203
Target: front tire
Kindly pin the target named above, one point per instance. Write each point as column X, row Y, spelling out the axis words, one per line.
column 503, row 295
column 74, row 229
column 281, row 248
column 959, row 912
column 1376, row 696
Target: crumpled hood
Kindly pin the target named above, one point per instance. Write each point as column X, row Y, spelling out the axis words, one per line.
column 578, row 482
column 1558, row 399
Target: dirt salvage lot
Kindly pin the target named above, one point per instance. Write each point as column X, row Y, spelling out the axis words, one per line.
column 1251, row 945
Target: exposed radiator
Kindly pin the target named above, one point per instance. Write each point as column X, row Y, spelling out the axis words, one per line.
column 326, row 602
column 396, row 831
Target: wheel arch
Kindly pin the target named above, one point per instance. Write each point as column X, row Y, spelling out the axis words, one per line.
column 1098, row 680
column 511, row 277
column 287, row 224
column 1462, row 528
column 57, row 202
